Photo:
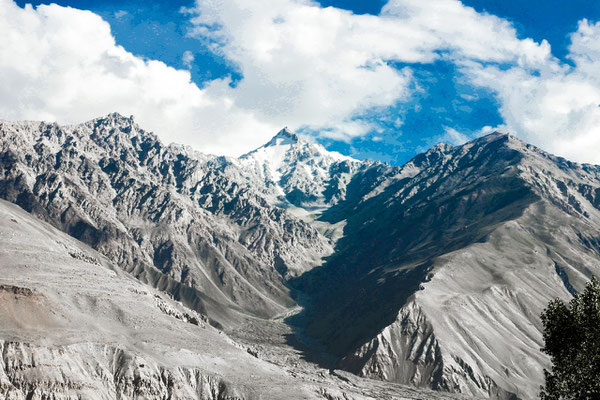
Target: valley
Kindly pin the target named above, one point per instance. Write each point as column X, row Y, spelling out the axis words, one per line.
column 290, row 268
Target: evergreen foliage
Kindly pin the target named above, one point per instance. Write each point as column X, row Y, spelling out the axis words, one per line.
column 572, row 339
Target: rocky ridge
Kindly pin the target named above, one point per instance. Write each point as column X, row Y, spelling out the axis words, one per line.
column 174, row 218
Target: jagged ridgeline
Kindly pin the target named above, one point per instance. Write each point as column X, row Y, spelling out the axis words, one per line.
column 431, row 274
column 186, row 223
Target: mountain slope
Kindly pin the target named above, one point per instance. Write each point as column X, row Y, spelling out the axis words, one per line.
column 177, row 219
column 431, row 274
column 74, row 325
column 441, row 275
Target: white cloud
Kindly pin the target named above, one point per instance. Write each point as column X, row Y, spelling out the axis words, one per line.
column 304, row 65
column 465, row 33
column 558, row 107
column 454, row 137
column 62, row 64
column 187, row 58
column 301, row 65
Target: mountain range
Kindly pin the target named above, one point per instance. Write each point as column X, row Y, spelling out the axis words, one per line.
column 290, row 267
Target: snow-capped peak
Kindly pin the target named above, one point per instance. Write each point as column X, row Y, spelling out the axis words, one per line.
column 283, row 137
column 269, row 158
column 291, row 169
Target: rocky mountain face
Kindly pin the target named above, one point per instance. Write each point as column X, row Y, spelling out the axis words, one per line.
column 441, row 275
column 182, row 221
column 298, row 175
column 76, row 326
column 431, row 274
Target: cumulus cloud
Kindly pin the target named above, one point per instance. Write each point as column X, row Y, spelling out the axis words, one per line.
column 63, row 64
column 557, row 107
column 454, row 137
column 304, row 65
column 465, row 33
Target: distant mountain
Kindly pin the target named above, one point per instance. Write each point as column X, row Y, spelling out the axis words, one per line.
column 298, row 175
column 431, row 274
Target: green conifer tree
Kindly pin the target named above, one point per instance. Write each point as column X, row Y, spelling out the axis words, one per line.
column 572, row 339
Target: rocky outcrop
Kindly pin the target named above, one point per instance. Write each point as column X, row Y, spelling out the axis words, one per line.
column 184, row 222
column 97, row 371
column 408, row 351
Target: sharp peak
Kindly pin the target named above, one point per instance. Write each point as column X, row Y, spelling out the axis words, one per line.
column 284, row 136
column 116, row 116
column 110, row 119
column 439, row 147
column 285, row 132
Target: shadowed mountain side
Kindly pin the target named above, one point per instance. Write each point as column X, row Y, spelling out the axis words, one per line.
column 391, row 239
column 377, row 304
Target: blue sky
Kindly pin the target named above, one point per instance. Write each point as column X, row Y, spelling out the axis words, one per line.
column 443, row 103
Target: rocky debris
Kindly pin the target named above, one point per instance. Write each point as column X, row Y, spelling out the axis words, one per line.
column 195, row 319
column 83, row 257
column 16, row 290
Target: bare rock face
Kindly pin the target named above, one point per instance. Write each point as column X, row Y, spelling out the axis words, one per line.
column 36, row 372
column 441, row 276
column 179, row 220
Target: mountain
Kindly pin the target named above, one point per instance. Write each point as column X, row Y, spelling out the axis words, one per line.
column 301, row 177
column 431, row 274
column 298, row 175
column 441, row 275
column 75, row 325
column 181, row 221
